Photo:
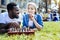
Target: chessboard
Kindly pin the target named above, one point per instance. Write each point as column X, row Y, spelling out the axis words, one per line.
column 20, row 31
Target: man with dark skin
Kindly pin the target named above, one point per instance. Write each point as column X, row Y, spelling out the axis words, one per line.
column 7, row 19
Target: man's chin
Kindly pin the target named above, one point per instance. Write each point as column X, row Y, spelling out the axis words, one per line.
column 16, row 17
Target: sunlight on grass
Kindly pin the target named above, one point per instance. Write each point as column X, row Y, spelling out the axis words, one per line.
column 50, row 31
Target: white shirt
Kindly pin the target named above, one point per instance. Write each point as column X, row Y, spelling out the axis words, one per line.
column 49, row 17
column 30, row 23
column 20, row 18
column 4, row 18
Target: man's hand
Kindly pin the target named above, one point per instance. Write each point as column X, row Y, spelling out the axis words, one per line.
column 14, row 24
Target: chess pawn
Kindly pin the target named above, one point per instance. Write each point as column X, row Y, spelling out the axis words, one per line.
column 20, row 29
column 12, row 29
column 20, row 25
column 15, row 30
column 28, row 29
column 24, row 28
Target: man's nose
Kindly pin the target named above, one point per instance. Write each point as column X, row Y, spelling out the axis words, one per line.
column 17, row 12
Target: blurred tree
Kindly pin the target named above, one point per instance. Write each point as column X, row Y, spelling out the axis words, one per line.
column 59, row 7
column 46, row 5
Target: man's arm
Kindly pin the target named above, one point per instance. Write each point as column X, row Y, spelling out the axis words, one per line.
column 9, row 25
column 3, row 26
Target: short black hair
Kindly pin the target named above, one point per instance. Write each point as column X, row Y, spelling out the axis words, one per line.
column 11, row 5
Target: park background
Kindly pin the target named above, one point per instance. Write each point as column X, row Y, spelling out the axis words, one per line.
column 51, row 29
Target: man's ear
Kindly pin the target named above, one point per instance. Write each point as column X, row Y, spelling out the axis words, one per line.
column 10, row 11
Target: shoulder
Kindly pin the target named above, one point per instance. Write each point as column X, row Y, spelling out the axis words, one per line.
column 38, row 15
column 3, row 17
column 25, row 15
column 4, row 14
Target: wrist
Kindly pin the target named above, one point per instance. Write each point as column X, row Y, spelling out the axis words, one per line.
column 33, row 19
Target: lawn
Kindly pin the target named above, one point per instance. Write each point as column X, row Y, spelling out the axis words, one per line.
column 50, row 31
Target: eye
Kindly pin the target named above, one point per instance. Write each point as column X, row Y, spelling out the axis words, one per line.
column 31, row 8
column 17, row 10
column 28, row 8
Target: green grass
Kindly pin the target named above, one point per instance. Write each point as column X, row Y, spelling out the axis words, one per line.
column 50, row 31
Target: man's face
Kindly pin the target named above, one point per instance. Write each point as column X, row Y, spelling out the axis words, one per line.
column 15, row 12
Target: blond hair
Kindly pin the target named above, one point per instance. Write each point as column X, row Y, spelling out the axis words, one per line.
column 32, row 3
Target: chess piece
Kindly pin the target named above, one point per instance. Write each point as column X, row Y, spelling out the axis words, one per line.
column 15, row 30
column 18, row 29
column 28, row 29
column 11, row 29
column 20, row 25
column 24, row 29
